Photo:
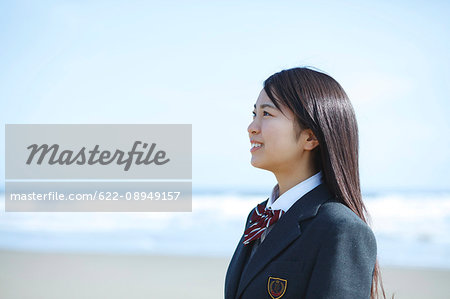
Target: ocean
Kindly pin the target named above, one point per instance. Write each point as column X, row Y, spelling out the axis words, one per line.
column 411, row 229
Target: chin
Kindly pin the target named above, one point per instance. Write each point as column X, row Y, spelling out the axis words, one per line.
column 254, row 163
column 260, row 165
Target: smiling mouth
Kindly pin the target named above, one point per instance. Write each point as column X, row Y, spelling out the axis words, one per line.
column 255, row 146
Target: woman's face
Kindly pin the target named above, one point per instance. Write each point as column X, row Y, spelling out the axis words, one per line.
column 275, row 135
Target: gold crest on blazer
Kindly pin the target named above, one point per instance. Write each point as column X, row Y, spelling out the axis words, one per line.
column 276, row 287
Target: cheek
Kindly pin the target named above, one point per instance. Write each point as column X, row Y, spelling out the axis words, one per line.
column 279, row 136
column 287, row 145
column 279, row 130
column 270, row 134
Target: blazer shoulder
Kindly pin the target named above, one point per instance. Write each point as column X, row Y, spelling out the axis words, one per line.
column 335, row 212
column 341, row 219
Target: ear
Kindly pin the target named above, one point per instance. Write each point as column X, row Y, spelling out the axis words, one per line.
column 311, row 141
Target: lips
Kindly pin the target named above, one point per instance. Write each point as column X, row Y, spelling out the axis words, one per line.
column 255, row 146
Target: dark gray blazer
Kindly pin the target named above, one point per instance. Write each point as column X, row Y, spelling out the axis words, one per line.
column 319, row 248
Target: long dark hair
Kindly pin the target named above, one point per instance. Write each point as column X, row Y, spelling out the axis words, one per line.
column 321, row 104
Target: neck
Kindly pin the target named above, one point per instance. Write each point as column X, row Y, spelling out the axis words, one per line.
column 287, row 180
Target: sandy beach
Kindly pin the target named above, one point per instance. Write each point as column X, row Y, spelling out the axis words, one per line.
column 60, row 275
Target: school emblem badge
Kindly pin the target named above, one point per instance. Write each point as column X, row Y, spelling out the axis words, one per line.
column 276, row 287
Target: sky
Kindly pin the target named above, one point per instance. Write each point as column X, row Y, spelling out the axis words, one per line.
column 204, row 63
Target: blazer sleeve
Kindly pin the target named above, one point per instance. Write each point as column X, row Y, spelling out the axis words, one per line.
column 345, row 263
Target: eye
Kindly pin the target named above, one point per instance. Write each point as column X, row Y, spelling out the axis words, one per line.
column 265, row 113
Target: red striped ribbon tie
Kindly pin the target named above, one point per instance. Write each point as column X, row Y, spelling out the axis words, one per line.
column 261, row 219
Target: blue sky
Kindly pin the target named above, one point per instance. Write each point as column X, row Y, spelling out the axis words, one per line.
column 203, row 63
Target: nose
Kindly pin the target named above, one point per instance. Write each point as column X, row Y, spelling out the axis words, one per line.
column 253, row 127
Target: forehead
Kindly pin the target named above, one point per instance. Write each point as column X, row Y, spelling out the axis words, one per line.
column 263, row 98
column 264, row 101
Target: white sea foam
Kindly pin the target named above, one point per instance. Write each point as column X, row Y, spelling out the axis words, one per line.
column 411, row 230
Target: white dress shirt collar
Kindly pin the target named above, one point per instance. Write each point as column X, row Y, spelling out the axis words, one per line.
column 288, row 198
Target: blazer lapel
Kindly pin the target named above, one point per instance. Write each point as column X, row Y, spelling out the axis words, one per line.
column 284, row 232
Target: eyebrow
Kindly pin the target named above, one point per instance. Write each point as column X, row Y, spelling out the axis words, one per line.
column 262, row 106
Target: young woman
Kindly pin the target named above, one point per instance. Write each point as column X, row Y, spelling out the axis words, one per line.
column 310, row 238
